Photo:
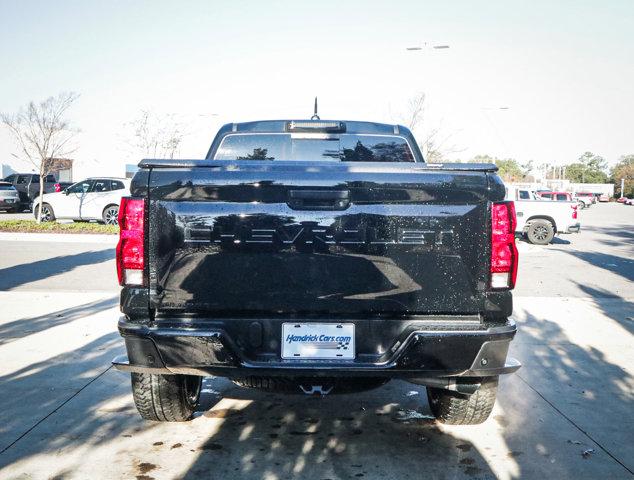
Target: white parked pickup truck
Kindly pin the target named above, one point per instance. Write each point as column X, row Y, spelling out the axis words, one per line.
column 539, row 220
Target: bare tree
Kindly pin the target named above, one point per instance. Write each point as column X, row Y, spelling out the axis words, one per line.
column 436, row 145
column 43, row 134
column 157, row 136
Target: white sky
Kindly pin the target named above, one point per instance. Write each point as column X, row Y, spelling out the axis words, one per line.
column 565, row 69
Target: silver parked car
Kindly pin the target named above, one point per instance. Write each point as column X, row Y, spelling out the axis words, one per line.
column 9, row 197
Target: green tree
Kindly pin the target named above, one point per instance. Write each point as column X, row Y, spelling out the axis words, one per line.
column 258, row 154
column 508, row 168
column 624, row 169
column 590, row 168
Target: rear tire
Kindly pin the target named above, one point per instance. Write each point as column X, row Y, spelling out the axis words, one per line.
column 48, row 215
column 166, row 398
column 540, row 232
column 458, row 409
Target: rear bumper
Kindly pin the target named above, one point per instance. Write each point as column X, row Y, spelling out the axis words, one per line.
column 9, row 202
column 575, row 228
column 414, row 349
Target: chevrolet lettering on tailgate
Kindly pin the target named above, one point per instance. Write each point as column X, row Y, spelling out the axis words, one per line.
column 300, row 234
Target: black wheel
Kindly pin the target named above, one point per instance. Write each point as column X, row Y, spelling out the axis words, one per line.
column 458, row 409
column 166, row 398
column 540, row 232
column 47, row 212
column 110, row 215
column 581, row 205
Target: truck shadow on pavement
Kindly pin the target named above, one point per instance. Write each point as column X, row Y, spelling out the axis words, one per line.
column 264, row 435
column 12, row 277
column 585, row 392
column 239, row 433
column 24, row 327
column 560, row 241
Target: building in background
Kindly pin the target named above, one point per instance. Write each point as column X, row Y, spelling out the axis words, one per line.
column 6, row 170
column 130, row 169
column 568, row 186
column 60, row 168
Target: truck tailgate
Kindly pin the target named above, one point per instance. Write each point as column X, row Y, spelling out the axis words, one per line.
column 319, row 238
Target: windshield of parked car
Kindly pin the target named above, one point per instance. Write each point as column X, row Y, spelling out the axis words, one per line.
column 344, row 147
column 80, row 187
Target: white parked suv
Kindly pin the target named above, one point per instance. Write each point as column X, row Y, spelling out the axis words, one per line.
column 91, row 199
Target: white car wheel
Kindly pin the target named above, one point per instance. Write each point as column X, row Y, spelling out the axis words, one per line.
column 111, row 214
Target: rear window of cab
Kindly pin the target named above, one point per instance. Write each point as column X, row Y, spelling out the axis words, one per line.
column 291, row 146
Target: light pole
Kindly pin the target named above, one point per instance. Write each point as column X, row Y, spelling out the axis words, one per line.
column 427, row 46
column 622, row 186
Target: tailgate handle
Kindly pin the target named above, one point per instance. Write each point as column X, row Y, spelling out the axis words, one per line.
column 319, row 199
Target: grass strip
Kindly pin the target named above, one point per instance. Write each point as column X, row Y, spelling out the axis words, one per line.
column 31, row 226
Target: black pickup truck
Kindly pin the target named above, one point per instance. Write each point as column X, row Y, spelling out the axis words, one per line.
column 316, row 256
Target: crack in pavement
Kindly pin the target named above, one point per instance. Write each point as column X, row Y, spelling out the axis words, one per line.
column 55, row 410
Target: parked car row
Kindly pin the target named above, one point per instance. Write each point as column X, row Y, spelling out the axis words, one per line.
column 91, row 199
column 626, row 201
column 583, row 199
column 28, row 187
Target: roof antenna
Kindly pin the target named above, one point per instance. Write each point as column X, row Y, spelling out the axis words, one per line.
column 315, row 116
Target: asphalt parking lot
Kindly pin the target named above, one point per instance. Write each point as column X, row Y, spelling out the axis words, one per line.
column 65, row 413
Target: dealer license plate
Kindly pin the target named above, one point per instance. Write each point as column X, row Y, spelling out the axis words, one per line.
column 318, row 341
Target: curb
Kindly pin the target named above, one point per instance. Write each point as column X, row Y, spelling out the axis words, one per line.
column 59, row 237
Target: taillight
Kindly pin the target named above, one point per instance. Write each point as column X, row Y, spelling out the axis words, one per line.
column 574, row 211
column 130, row 250
column 504, row 255
column 58, row 187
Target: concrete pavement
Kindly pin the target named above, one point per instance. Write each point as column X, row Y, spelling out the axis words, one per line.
column 57, row 266
column 66, row 414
